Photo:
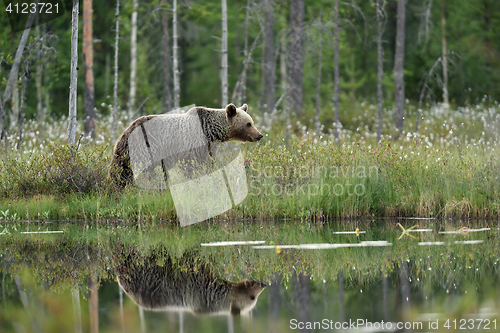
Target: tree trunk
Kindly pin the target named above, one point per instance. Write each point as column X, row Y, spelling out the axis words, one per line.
column 115, row 84
column 39, row 87
column 21, row 108
column 177, row 88
column 405, row 286
column 399, row 84
column 340, row 277
column 303, row 297
column 133, row 60
column 284, row 86
column 296, row 55
column 88, row 69
column 317, row 123
column 73, row 74
column 269, row 70
column 25, row 300
column 380, row 67
column 490, row 54
column 351, row 71
column 446, row 101
column 14, row 71
column 385, row 295
column 224, row 65
column 336, row 80
column 14, row 102
column 274, row 299
column 243, row 90
column 77, row 312
column 93, row 305
column 107, row 74
column 166, row 60
column 46, row 110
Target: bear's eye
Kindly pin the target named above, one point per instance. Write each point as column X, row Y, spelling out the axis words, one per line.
column 252, row 297
column 249, row 125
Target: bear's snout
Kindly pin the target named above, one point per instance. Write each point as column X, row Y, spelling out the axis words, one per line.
column 259, row 137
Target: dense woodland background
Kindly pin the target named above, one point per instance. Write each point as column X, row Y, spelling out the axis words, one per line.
column 290, row 42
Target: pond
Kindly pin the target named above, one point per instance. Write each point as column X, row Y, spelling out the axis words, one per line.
column 381, row 275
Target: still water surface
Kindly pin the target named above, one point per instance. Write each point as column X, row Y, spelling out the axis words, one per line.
column 283, row 276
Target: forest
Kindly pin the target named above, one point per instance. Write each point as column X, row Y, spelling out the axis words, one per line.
column 290, row 57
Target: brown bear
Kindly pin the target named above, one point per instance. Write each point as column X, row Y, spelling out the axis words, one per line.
column 161, row 282
column 217, row 125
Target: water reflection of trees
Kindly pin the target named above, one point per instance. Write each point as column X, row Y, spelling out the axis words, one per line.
column 393, row 280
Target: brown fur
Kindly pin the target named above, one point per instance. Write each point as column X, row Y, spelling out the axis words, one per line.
column 182, row 284
column 218, row 125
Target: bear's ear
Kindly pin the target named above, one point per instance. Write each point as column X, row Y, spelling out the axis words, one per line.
column 244, row 107
column 231, row 110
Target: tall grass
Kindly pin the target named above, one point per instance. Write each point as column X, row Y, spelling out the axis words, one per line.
column 450, row 168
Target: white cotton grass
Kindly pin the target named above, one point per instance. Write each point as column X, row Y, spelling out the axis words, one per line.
column 474, row 128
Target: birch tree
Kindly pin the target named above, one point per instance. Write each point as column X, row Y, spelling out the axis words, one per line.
column 224, row 65
column 340, row 279
column 93, row 304
column 175, row 50
column 20, row 120
column 107, row 74
column 399, row 84
column 133, row 59
column 73, row 74
column 380, row 67
column 166, row 60
column 39, row 89
column 317, row 123
column 243, row 93
column 284, row 85
column 115, row 84
column 14, row 102
column 269, row 64
column 425, row 26
column 302, row 296
column 446, row 101
column 296, row 55
column 88, row 70
column 336, row 80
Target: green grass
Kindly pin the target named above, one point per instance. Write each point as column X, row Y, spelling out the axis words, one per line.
column 450, row 169
column 303, row 180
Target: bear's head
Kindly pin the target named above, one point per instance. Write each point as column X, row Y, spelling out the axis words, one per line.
column 244, row 296
column 241, row 126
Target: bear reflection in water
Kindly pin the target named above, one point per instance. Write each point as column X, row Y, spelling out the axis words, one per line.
column 159, row 282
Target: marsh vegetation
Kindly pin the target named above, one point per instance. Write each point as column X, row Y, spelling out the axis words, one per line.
column 449, row 169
